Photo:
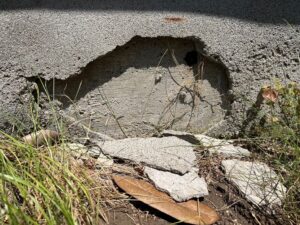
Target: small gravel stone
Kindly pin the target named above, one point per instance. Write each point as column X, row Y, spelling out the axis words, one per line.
column 103, row 161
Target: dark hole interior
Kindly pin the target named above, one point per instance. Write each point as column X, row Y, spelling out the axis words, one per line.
column 191, row 58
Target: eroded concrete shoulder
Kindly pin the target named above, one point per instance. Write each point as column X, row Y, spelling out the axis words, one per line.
column 74, row 42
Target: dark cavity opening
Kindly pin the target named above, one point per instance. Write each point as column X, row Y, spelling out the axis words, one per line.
column 191, row 58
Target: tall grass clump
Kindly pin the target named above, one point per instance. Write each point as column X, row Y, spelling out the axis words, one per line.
column 276, row 137
column 45, row 186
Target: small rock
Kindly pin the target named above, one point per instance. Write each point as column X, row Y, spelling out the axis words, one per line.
column 223, row 147
column 185, row 98
column 158, row 78
column 179, row 187
column 103, row 161
column 94, row 152
column 79, row 150
column 167, row 153
column 256, row 180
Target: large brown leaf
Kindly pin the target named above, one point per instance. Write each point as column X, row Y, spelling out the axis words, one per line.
column 208, row 214
column 188, row 212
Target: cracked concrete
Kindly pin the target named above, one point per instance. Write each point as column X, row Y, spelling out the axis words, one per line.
column 179, row 187
column 258, row 182
column 53, row 39
column 167, row 153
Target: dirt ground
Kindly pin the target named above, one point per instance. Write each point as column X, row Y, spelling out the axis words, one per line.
column 223, row 197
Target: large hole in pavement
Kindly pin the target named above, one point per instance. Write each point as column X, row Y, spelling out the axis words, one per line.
column 148, row 84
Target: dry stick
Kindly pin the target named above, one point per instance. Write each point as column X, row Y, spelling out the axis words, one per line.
column 200, row 73
column 103, row 136
column 78, row 89
column 147, row 102
column 177, row 64
column 182, row 87
column 76, row 121
column 252, row 213
column 174, row 57
column 53, row 89
column 49, row 99
column 228, row 206
column 104, row 98
column 193, row 91
column 88, row 129
column 187, row 89
column 174, row 101
column 167, row 109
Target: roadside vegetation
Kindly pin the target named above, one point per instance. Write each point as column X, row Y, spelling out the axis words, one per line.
column 275, row 138
column 45, row 184
column 42, row 183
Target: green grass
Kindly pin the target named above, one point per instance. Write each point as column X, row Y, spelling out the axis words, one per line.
column 45, row 185
column 276, row 139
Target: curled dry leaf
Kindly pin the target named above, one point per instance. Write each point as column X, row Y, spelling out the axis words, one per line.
column 269, row 94
column 190, row 212
column 41, row 137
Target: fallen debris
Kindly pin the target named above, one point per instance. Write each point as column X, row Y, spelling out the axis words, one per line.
column 179, row 187
column 256, row 181
column 184, row 212
column 223, row 147
column 167, row 153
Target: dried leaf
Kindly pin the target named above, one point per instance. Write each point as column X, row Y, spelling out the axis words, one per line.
column 184, row 212
column 41, row 137
column 269, row 94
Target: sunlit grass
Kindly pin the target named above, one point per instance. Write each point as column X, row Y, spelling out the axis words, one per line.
column 276, row 137
column 45, row 185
